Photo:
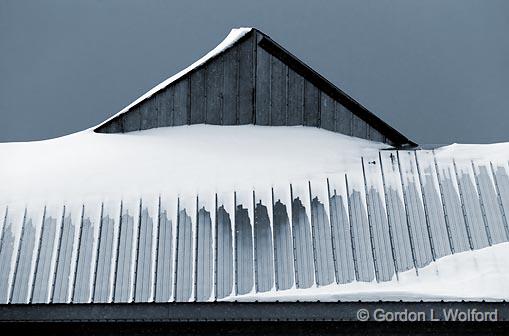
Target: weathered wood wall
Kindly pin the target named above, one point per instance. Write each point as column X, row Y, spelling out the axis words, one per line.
column 250, row 84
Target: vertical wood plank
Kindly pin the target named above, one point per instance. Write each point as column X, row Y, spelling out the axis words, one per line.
column 246, row 60
column 278, row 93
column 295, row 99
column 214, row 88
column 311, row 104
column 181, row 102
column 198, row 97
column 328, row 113
column 231, row 86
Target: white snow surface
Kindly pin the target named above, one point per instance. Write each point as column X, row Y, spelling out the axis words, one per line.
column 233, row 36
column 188, row 160
column 204, row 159
column 472, row 275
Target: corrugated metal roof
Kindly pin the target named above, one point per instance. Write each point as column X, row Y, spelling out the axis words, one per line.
column 397, row 211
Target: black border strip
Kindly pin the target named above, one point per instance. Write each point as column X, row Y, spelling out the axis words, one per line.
column 237, row 311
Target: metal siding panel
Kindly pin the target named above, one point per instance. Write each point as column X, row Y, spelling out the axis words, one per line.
column 144, row 270
column 181, row 102
column 322, row 241
column 165, row 256
column 244, row 249
column 381, row 231
column 361, row 242
column 6, row 260
column 198, row 96
column 341, row 234
column 394, row 200
column 460, row 239
column 278, row 93
column 311, row 105
column 42, row 282
column 184, row 266
column 415, row 209
column 83, row 282
column 102, row 290
column 264, row 248
column 303, row 246
column 231, row 86
column 214, row 92
column 204, row 256
column 149, row 113
column 246, row 81
column 131, row 121
column 327, row 112
column 295, row 99
column 433, row 203
column 164, row 103
column 488, row 195
column 224, row 255
column 471, row 205
column 502, row 183
column 263, row 87
column 126, row 248
column 21, row 285
column 283, row 243
column 343, row 120
column 63, row 270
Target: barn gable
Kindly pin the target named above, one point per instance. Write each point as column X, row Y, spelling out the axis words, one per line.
column 253, row 81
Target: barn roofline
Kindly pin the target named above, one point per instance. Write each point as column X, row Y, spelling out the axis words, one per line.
column 273, row 48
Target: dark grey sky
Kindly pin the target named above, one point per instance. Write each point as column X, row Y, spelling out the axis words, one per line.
column 438, row 71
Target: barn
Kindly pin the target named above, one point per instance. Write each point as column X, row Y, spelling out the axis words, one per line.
column 249, row 182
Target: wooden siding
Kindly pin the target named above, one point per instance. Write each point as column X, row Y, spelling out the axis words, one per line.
column 246, row 84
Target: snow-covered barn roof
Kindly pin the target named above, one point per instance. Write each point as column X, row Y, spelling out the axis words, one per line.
column 248, row 213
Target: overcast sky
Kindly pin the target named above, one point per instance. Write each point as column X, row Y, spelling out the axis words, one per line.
column 438, row 71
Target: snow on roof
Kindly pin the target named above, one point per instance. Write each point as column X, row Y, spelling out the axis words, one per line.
column 384, row 210
column 234, row 35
